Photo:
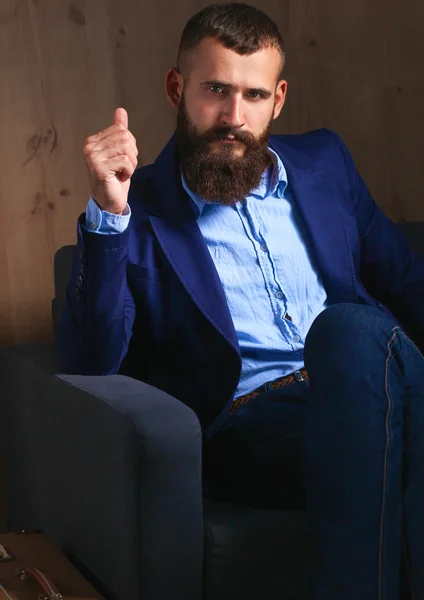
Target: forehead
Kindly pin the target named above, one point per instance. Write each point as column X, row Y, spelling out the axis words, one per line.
column 212, row 61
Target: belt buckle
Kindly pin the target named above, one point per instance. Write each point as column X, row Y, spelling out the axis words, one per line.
column 299, row 376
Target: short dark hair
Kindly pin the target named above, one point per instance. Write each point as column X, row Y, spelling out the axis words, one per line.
column 239, row 27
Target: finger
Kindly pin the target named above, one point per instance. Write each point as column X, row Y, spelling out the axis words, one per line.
column 98, row 137
column 112, row 150
column 131, row 157
column 132, row 137
column 121, row 166
column 118, row 139
column 120, row 117
column 95, row 137
column 126, row 173
column 108, row 165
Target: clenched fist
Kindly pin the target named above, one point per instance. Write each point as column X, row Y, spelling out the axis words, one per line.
column 111, row 158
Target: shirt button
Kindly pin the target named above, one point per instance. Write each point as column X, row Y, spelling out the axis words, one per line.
column 264, row 247
column 93, row 225
column 279, row 295
column 296, row 339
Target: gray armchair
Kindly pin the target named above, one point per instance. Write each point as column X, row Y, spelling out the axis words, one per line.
column 110, row 469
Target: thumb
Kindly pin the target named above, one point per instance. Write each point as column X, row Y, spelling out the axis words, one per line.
column 120, row 117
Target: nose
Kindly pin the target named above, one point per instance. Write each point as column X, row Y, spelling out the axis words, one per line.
column 232, row 115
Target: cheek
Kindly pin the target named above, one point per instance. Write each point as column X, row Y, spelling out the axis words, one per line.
column 204, row 114
column 258, row 118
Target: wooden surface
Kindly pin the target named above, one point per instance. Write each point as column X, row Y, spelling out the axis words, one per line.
column 354, row 67
column 36, row 550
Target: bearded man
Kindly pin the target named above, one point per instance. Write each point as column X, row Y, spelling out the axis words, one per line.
column 254, row 278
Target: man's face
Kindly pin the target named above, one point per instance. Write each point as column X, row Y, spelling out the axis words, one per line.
column 227, row 106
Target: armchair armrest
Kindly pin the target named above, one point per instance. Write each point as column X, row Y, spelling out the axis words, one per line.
column 110, row 469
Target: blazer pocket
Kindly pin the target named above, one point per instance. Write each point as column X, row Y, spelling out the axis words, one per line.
column 139, row 272
column 147, row 285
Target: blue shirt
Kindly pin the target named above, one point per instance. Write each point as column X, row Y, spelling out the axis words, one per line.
column 103, row 222
column 260, row 250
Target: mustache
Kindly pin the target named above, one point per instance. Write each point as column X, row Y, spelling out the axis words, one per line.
column 220, row 133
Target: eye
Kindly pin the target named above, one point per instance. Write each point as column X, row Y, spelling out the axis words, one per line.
column 216, row 89
column 254, row 95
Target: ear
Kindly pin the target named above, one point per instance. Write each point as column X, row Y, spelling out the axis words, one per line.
column 280, row 97
column 174, row 86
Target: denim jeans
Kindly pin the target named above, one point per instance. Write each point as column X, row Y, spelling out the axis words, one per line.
column 349, row 446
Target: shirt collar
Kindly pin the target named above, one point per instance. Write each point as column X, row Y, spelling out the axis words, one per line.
column 273, row 182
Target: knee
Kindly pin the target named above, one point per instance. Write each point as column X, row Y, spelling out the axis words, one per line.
column 348, row 318
column 347, row 330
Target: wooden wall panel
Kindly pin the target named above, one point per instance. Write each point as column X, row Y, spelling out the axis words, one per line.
column 355, row 68
column 65, row 65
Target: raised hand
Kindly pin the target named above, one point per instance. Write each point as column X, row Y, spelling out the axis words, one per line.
column 111, row 159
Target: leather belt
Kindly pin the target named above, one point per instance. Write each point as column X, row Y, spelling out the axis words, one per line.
column 301, row 375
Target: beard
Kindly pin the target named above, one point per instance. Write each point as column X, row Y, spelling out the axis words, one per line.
column 220, row 176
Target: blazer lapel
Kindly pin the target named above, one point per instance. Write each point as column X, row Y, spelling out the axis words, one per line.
column 175, row 226
column 323, row 221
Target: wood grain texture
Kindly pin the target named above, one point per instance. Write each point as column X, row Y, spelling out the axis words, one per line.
column 354, row 67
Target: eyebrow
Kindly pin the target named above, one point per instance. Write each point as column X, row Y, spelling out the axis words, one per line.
column 228, row 86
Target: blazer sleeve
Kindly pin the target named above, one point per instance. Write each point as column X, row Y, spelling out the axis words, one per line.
column 99, row 312
column 390, row 270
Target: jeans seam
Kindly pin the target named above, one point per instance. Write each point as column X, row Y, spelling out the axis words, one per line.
column 405, row 548
column 385, row 461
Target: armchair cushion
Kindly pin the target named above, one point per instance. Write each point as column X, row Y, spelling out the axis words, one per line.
column 110, row 469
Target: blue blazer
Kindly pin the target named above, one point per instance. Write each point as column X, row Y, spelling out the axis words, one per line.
column 149, row 303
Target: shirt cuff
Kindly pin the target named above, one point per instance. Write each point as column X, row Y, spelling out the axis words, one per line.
column 103, row 222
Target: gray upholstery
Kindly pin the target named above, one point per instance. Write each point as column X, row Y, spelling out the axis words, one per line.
column 110, row 469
